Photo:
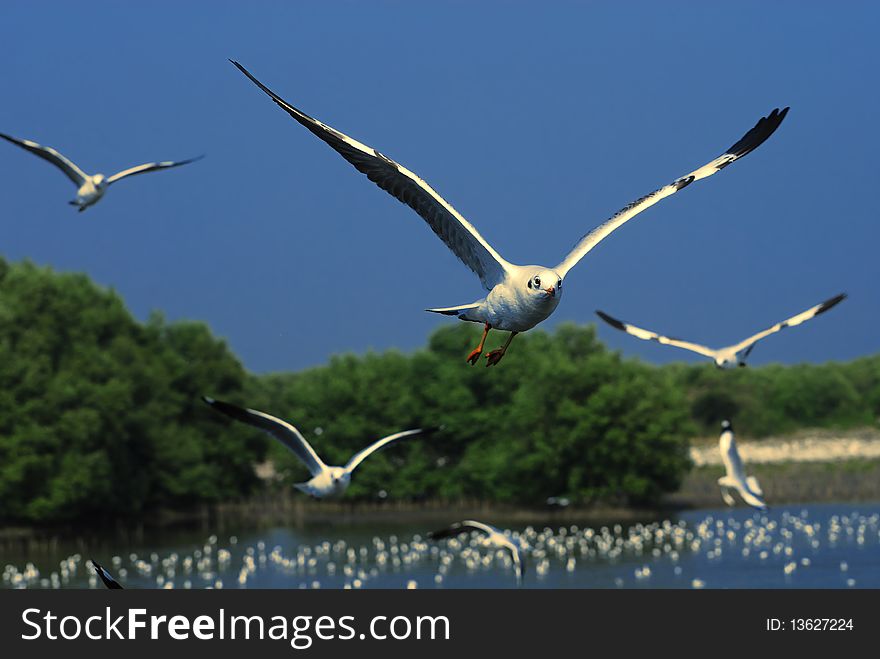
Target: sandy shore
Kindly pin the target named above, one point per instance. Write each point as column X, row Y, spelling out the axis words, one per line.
column 815, row 446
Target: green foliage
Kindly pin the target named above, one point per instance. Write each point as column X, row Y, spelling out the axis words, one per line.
column 561, row 415
column 774, row 399
column 99, row 415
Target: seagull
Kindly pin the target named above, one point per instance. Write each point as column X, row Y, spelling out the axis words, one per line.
column 519, row 297
column 495, row 539
column 109, row 581
column 735, row 478
column 90, row 189
column 326, row 481
column 730, row 356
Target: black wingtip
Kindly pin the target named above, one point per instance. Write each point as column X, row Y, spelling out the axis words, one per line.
column 759, row 133
column 228, row 409
column 611, row 321
column 252, row 78
column 108, row 581
column 450, row 531
column 827, row 304
column 189, row 160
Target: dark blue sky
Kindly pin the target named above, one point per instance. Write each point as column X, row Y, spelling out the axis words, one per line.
column 535, row 121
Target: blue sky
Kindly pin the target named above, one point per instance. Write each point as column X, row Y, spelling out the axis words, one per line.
column 536, row 121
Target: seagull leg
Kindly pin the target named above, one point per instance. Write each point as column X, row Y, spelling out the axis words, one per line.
column 495, row 356
column 476, row 352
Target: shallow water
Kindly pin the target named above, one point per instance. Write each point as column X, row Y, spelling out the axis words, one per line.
column 803, row 546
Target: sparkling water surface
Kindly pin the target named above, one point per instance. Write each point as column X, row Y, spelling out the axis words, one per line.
column 801, row 546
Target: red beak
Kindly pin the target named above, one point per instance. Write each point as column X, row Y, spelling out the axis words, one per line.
column 550, row 291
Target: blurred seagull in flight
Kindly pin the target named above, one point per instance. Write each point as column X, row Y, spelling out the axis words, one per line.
column 109, row 581
column 90, row 189
column 735, row 478
column 326, row 481
column 519, row 297
column 730, row 356
column 494, row 538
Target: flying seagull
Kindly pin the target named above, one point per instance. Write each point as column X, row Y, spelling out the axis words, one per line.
column 326, row 481
column 109, row 581
column 723, row 357
column 494, row 538
column 735, row 478
column 90, row 189
column 519, row 297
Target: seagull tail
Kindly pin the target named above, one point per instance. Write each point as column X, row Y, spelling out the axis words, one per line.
column 460, row 311
column 305, row 488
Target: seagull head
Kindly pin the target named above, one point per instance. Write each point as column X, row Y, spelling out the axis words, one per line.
column 726, row 425
column 546, row 284
column 99, row 181
column 339, row 477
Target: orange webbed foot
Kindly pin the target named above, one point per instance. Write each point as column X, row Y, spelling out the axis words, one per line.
column 474, row 357
column 494, row 357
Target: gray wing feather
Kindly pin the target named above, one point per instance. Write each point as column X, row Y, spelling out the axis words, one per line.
column 49, row 154
column 284, row 432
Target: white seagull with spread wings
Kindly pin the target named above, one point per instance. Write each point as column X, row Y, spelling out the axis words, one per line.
column 90, row 189
column 730, row 356
column 735, row 478
column 494, row 538
column 326, row 481
column 519, row 297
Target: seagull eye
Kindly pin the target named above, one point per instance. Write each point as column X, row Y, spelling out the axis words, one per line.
column 559, row 284
column 537, row 282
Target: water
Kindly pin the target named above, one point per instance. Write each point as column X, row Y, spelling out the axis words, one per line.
column 803, row 546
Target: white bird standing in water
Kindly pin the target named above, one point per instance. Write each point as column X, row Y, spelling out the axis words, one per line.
column 519, row 297
column 494, row 538
column 326, row 481
column 735, row 478
column 730, row 356
column 90, row 189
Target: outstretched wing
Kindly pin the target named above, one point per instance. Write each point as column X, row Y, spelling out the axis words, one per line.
column 108, row 580
column 461, row 527
column 794, row 321
column 284, row 432
column 648, row 335
column 754, row 486
column 360, row 456
column 752, row 499
column 458, row 234
column 748, row 143
column 70, row 170
column 149, row 167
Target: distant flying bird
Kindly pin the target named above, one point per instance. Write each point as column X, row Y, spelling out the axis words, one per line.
column 109, row 581
column 494, row 538
column 90, row 189
column 519, row 297
column 326, row 481
column 724, row 357
column 735, row 478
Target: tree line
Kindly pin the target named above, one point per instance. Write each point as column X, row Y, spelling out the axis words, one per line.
column 100, row 415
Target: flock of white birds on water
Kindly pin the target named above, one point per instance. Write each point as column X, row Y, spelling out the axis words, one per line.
column 688, row 553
